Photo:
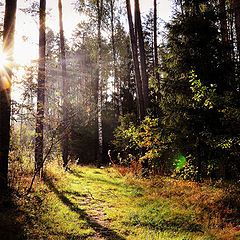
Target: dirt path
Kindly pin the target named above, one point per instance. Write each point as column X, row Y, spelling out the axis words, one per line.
column 84, row 195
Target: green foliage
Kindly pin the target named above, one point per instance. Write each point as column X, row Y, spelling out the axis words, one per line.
column 144, row 142
column 126, row 134
column 199, row 103
column 203, row 95
column 84, row 98
column 195, row 105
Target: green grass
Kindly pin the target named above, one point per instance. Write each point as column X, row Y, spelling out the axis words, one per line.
column 90, row 203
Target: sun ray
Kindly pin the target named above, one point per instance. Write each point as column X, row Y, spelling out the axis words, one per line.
column 5, row 66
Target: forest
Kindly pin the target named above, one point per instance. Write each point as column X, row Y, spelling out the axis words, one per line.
column 117, row 123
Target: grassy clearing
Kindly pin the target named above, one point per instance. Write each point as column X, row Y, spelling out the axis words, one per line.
column 90, row 203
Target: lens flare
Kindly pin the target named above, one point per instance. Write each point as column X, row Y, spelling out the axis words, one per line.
column 178, row 161
column 4, row 73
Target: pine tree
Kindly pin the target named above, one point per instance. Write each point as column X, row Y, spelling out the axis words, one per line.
column 194, row 44
column 138, row 80
column 40, row 88
column 155, row 42
column 144, row 75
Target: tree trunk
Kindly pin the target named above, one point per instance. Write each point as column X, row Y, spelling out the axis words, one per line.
column 99, row 104
column 116, row 78
column 236, row 7
column 142, row 57
column 5, row 89
column 140, row 103
column 231, row 32
column 227, row 48
column 155, row 42
column 41, row 88
column 223, row 24
column 65, row 141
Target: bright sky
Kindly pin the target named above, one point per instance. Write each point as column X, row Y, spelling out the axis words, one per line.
column 27, row 28
column 164, row 7
column 26, row 40
column 26, row 46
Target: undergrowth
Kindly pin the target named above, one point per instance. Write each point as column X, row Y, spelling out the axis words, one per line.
column 91, row 203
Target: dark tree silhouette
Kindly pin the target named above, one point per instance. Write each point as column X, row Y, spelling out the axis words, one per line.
column 139, row 32
column 40, row 88
column 155, row 40
column 140, row 103
column 5, row 85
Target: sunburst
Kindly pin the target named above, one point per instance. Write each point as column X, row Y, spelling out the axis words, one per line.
column 5, row 65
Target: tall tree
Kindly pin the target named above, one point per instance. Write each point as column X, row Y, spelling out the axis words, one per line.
column 194, row 43
column 65, row 142
column 223, row 21
column 100, row 81
column 140, row 102
column 155, row 40
column 5, row 89
column 236, row 7
column 226, row 59
column 40, row 88
column 139, row 32
column 116, row 78
column 97, row 12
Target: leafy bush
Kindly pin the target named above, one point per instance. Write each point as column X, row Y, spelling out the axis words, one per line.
column 143, row 142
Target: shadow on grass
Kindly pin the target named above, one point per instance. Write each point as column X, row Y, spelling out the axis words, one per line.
column 76, row 174
column 100, row 229
column 10, row 228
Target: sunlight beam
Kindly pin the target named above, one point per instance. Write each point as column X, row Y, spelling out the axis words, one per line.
column 5, row 64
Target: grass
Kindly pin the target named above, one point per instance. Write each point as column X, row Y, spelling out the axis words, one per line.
column 90, row 203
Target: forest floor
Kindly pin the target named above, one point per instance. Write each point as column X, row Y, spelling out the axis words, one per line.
column 90, row 203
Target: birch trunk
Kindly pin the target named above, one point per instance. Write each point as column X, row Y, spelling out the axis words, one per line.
column 236, row 7
column 223, row 24
column 99, row 103
column 65, row 141
column 116, row 79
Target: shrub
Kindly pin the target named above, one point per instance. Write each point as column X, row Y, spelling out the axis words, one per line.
column 143, row 142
